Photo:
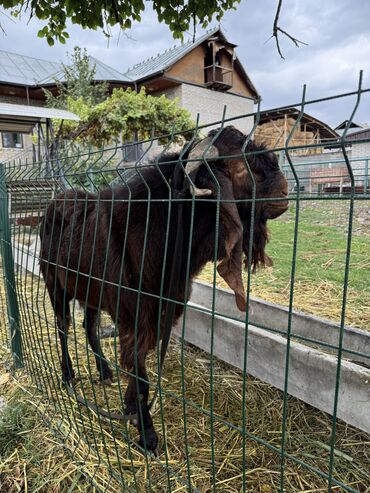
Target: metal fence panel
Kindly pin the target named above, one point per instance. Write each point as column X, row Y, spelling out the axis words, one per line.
column 220, row 429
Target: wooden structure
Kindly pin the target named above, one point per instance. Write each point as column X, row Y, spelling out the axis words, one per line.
column 276, row 126
column 334, row 176
column 209, row 62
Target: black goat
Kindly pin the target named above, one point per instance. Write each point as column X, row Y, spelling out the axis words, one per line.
column 106, row 251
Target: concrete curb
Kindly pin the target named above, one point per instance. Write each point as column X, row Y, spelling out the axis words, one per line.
column 275, row 317
column 312, row 373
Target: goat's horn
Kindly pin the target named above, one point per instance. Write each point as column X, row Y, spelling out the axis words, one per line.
column 199, row 152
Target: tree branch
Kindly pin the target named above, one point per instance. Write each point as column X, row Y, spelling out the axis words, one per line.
column 277, row 29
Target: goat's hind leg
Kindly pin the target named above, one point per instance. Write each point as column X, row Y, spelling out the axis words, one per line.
column 137, row 409
column 106, row 375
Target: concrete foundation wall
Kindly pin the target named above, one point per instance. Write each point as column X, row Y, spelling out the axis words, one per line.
column 312, row 370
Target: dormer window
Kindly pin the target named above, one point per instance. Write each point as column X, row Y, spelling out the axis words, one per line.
column 218, row 65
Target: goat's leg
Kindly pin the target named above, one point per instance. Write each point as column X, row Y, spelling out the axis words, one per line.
column 62, row 311
column 60, row 301
column 137, row 410
column 68, row 373
column 102, row 366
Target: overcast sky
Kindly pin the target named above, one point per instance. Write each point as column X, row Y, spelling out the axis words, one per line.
column 337, row 33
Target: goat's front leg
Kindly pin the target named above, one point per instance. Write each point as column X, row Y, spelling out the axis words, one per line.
column 137, row 410
column 106, row 375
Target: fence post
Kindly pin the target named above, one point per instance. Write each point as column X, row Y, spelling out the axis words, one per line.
column 9, row 277
column 366, row 178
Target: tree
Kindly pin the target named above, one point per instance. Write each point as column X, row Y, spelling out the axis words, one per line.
column 77, row 81
column 104, row 14
column 107, row 118
column 124, row 114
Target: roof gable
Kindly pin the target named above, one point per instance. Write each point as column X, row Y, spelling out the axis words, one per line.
column 163, row 61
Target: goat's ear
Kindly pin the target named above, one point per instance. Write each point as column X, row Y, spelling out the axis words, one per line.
column 230, row 267
column 239, row 175
column 230, row 270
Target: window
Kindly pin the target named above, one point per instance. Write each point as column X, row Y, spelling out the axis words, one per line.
column 12, row 140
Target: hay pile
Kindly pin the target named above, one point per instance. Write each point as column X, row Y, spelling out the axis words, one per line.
column 105, row 452
column 275, row 132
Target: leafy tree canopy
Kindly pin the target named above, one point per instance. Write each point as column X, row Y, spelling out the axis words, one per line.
column 124, row 114
column 106, row 118
column 77, row 81
column 104, row 14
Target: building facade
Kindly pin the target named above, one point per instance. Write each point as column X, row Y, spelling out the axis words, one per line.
column 205, row 75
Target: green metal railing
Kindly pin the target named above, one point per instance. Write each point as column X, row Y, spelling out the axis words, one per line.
column 220, row 429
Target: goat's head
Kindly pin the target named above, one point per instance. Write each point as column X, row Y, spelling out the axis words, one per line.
column 269, row 181
column 258, row 170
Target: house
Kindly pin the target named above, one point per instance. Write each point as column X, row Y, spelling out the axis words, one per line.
column 204, row 74
column 358, row 142
column 326, row 169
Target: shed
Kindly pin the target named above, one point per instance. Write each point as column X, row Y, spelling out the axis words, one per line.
column 276, row 126
column 18, row 121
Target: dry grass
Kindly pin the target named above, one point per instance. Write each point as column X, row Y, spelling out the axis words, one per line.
column 104, row 451
column 32, row 460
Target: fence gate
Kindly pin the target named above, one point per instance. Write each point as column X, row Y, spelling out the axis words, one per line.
column 242, row 395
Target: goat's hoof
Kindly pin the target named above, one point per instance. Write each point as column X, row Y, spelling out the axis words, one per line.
column 107, row 381
column 106, row 376
column 155, row 452
column 149, row 442
column 69, row 379
column 132, row 418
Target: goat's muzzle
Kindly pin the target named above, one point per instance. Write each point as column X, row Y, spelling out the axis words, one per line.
column 275, row 209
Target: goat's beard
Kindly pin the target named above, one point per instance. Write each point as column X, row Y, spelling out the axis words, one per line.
column 260, row 239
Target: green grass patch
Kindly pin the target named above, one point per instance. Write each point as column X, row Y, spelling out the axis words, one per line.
column 319, row 265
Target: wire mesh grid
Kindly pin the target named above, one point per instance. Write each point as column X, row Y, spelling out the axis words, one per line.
column 110, row 227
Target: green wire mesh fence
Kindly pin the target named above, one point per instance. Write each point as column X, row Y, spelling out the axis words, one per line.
column 98, row 259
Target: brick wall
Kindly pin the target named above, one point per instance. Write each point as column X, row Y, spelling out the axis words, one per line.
column 18, row 100
column 210, row 104
column 23, row 153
